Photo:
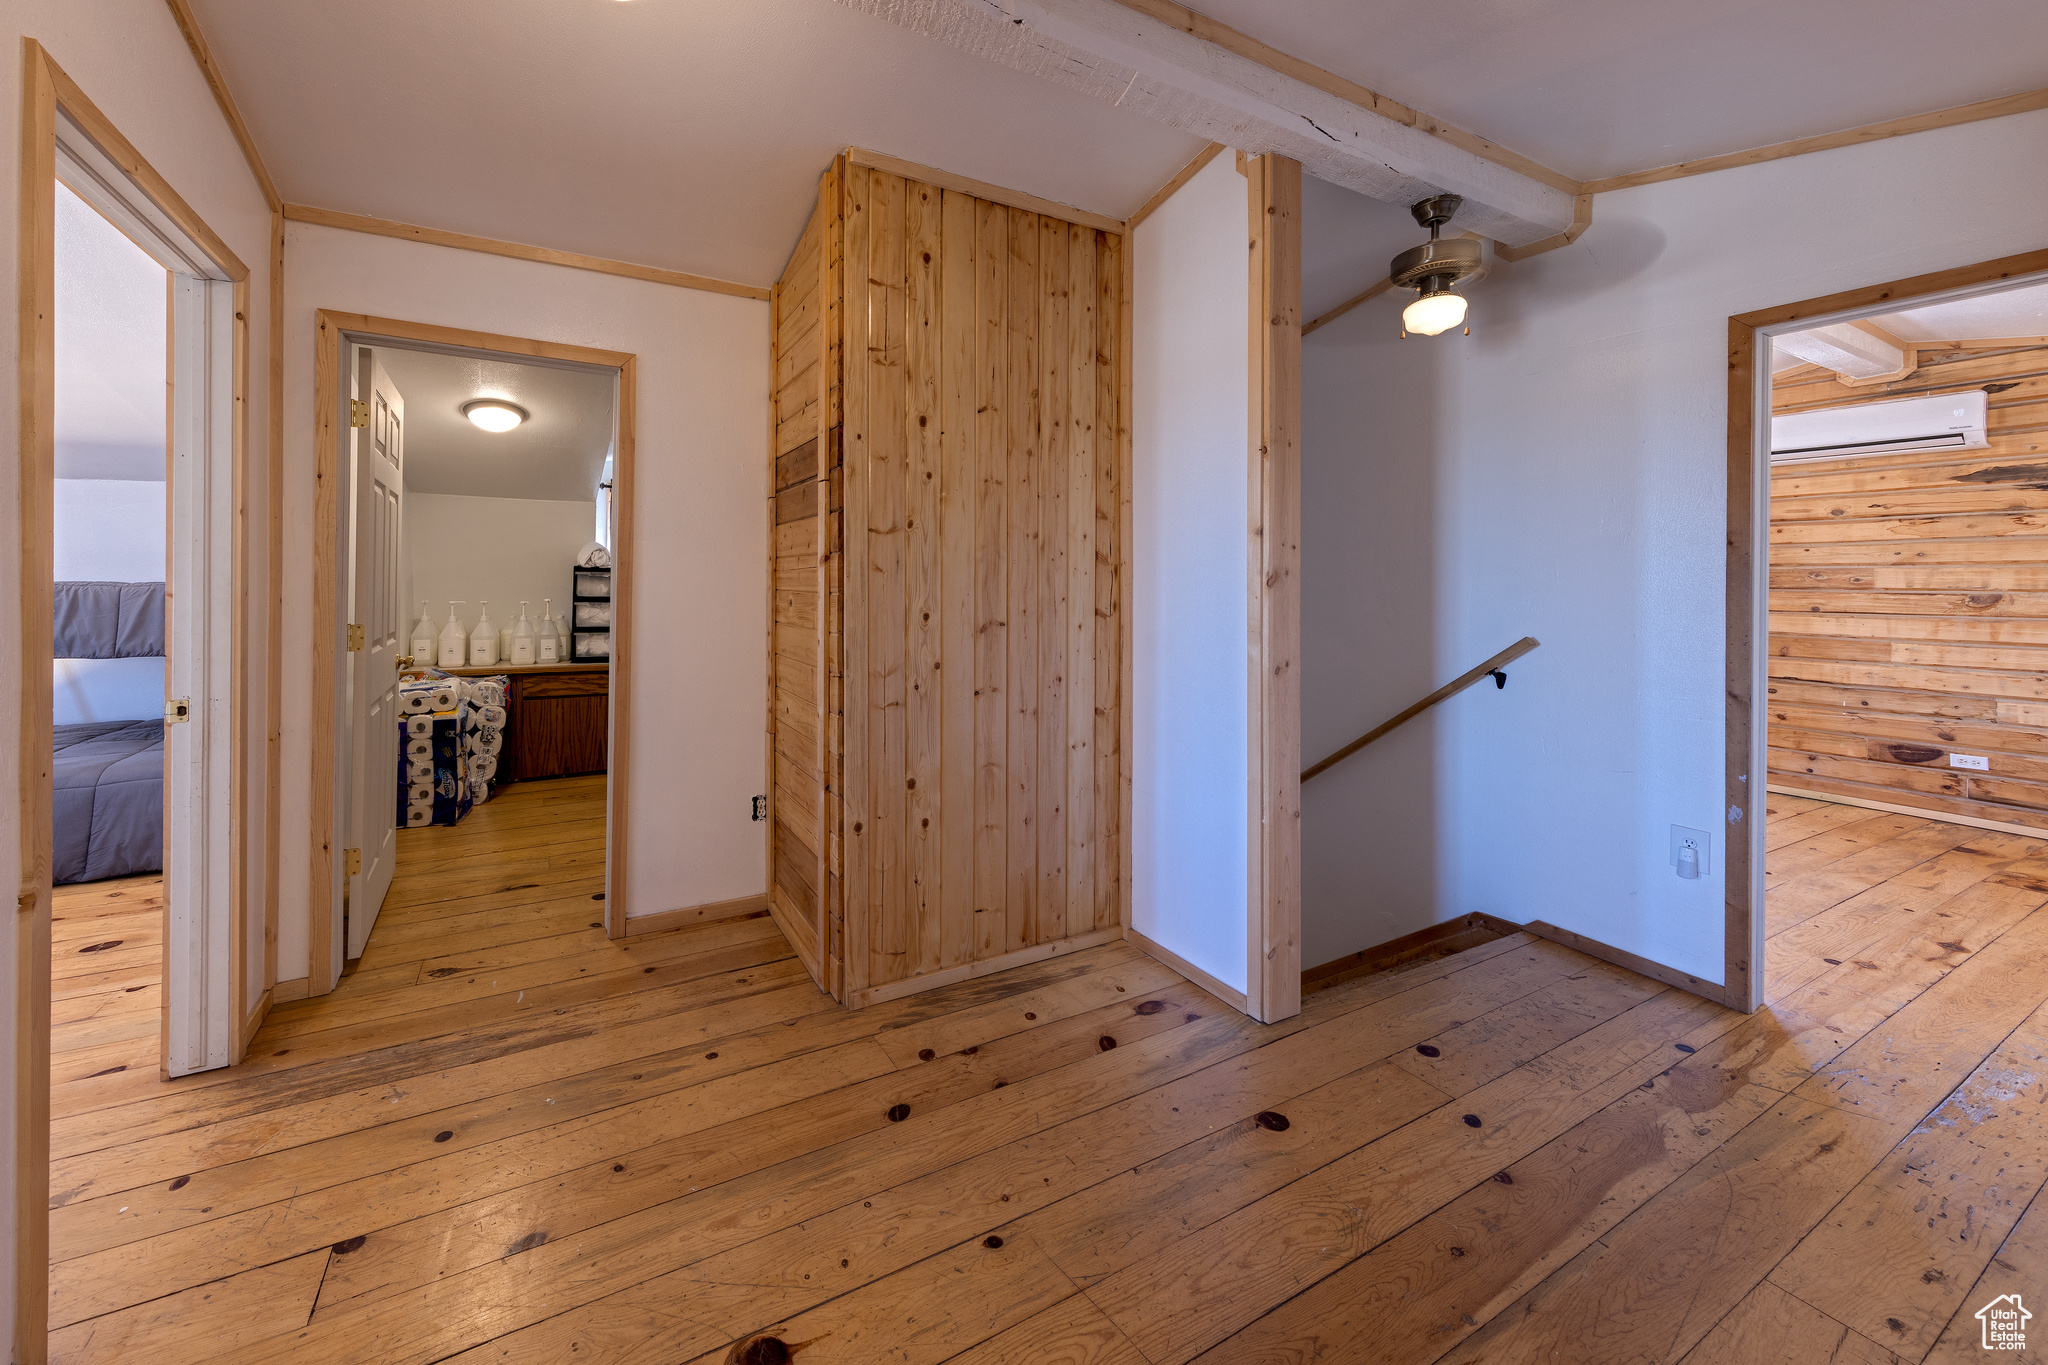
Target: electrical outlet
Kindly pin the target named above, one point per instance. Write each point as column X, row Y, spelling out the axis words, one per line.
column 1977, row 761
column 1681, row 836
column 760, row 808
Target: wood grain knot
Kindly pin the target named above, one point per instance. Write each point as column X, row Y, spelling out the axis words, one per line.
column 1471, row 1120
column 1685, row 1047
column 970, row 1051
column 993, row 1243
column 181, row 1182
column 1503, row 1177
column 1271, row 1122
column 617, row 1167
column 1029, row 1015
column 710, row 1056
column 898, row 1112
column 760, row 1351
column 101, row 947
column 527, row 1243
column 598, row 897
column 439, row 972
column 343, row 1248
column 1105, row 1042
column 925, row 1054
column 1429, row 1049
column 444, row 1135
column 1148, row 1007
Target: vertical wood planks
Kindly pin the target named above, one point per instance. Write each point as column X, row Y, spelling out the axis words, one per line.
column 957, row 501
column 1055, row 425
column 924, row 616
column 889, row 908
column 1082, row 833
column 1021, row 433
column 855, row 884
column 1109, row 642
column 971, row 615
column 991, row 557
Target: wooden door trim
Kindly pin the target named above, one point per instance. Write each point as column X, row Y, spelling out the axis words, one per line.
column 47, row 90
column 1748, row 497
column 331, row 325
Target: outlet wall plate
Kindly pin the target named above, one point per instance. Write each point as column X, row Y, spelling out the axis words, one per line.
column 1699, row 839
column 1977, row 761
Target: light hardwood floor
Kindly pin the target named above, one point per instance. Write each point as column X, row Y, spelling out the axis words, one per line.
column 506, row 1139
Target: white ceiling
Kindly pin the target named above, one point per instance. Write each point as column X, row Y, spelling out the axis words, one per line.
column 111, row 350
column 2019, row 312
column 1594, row 88
column 557, row 454
column 687, row 134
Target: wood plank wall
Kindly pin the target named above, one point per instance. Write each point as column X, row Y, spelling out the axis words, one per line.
column 1909, row 603
column 804, row 534
column 948, row 380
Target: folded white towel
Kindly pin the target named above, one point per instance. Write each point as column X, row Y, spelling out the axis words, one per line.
column 593, row 556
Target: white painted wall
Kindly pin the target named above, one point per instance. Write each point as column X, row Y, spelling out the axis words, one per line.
column 130, row 59
column 109, row 530
column 1190, row 580
column 496, row 550
column 1560, row 473
column 701, row 605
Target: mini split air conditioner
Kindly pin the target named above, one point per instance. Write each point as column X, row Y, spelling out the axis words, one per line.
column 1948, row 421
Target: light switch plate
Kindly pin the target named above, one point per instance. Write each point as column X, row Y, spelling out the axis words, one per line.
column 1977, row 761
column 1698, row 837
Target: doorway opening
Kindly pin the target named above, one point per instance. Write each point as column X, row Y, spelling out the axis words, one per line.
column 1906, row 720
column 478, row 579
column 133, row 562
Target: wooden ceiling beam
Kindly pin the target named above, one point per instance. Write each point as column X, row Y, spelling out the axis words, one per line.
column 1195, row 75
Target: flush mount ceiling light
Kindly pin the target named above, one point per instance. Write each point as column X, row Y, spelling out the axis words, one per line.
column 494, row 414
column 1433, row 270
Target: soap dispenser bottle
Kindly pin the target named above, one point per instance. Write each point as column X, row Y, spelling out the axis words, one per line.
column 483, row 641
column 523, row 638
column 454, row 640
column 423, row 651
column 547, row 645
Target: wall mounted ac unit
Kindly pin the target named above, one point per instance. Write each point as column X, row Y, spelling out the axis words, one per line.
column 1948, row 421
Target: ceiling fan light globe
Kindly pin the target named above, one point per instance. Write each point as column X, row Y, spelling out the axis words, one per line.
column 1434, row 313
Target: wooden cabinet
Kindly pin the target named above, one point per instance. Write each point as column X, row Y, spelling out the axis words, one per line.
column 557, row 723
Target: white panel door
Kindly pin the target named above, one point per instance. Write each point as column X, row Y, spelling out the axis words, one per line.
column 377, row 518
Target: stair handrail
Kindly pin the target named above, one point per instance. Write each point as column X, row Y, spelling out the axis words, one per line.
column 1449, row 689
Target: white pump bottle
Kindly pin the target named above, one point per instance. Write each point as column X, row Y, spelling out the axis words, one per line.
column 523, row 639
column 454, row 640
column 423, row 640
column 483, row 641
column 547, row 645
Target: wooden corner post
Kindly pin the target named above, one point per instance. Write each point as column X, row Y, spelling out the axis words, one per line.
column 1273, row 979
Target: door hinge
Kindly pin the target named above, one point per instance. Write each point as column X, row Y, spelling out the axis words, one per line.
column 358, row 413
column 177, row 711
column 355, row 638
column 351, row 862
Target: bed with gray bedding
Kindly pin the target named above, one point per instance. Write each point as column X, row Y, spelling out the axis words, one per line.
column 107, row 808
column 107, row 812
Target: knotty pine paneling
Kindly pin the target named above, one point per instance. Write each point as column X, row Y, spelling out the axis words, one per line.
column 946, row 562
column 1909, row 603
